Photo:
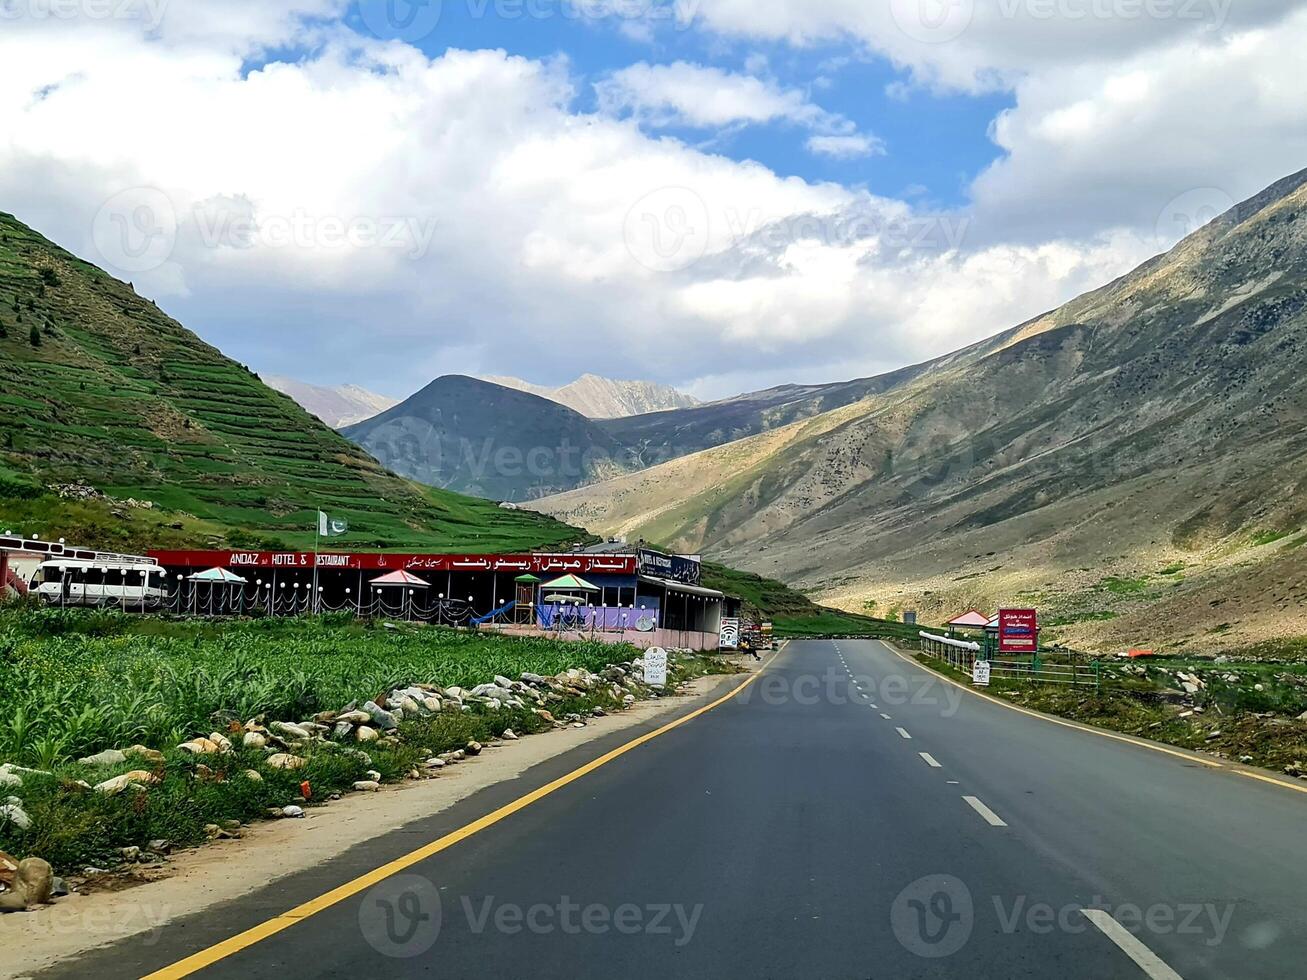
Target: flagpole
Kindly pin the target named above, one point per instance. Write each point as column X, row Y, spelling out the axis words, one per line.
column 317, row 535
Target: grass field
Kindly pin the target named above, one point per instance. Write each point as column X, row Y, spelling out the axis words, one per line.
column 116, row 394
column 74, row 683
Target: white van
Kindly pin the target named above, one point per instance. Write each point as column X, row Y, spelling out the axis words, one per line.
column 78, row 582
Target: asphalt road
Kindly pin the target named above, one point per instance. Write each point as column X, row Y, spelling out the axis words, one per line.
column 847, row 816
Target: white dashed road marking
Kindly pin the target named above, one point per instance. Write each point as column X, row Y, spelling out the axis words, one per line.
column 930, row 760
column 885, row 716
column 1144, row 957
column 903, row 732
column 992, row 818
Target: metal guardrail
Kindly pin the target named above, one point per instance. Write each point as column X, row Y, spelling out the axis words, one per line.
column 1037, row 671
column 963, row 656
column 956, row 653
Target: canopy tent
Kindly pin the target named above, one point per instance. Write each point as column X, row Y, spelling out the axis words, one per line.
column 571, row 583
column 527, row 579
column 970, row 620
column 403, row 580
column 218, row 576
column 560, row 590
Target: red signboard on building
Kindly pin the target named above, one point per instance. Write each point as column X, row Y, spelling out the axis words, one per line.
column 1018, row 631
column 372, row 561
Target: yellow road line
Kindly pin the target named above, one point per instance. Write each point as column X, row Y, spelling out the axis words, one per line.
column 1087, row 729
column 207, row 957
column 1283, row 784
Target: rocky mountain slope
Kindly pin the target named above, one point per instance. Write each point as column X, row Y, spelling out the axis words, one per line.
column 101, row 390
column 604, row 398
column 338, row 405
column 478, row 437
column 1133, row 460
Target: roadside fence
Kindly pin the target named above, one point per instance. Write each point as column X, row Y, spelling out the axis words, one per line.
column 962, row 655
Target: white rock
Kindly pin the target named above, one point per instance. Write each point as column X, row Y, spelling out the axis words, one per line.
column 138, row 780
column 292, row 811
column 510, row 734
column 15, row 814
column 366, row 786
column 284, row 760
column 289, row 731
column 386, row 720
column 253, row 776
column 203, row 746
column 253, row 740
column 109, row 757
column 365, row 734
column 434, row 763
column 372, row 776
column 10, row 779
column 432, row 704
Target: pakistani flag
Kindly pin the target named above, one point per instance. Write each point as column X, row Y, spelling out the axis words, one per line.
column 331, row 527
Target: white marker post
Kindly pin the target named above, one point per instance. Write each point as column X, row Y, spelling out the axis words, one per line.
column 980, row 673
column 655, row 667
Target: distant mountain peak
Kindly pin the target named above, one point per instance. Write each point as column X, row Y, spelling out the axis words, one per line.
column 337, row 405
column 598, row 397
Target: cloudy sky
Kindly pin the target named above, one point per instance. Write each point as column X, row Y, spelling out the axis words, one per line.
column 720, row 194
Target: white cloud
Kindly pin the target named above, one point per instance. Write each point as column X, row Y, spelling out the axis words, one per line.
column 1096, row 145
column 985, row 44
column 1121, row 107
column 845, row 147
column 706, row 97
column 366, row 213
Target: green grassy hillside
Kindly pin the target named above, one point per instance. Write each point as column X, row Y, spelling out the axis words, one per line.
column 98, row 386
column 792, row 613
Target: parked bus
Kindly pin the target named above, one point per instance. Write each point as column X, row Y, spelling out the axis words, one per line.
column 78, row 582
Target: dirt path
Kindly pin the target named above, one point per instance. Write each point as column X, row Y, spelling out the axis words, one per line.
column 195, row 880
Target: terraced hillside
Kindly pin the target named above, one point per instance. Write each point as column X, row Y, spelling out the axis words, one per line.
column 1132, row 462
column 100, row 387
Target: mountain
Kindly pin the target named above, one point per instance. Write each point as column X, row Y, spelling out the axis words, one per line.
column 1133, row 462
column 485, row 439
column 603, row 398
column 338, row 405
column 480, row 438
column 158, row 439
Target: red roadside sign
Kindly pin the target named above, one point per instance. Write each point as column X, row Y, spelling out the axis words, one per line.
column 1018, row 631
